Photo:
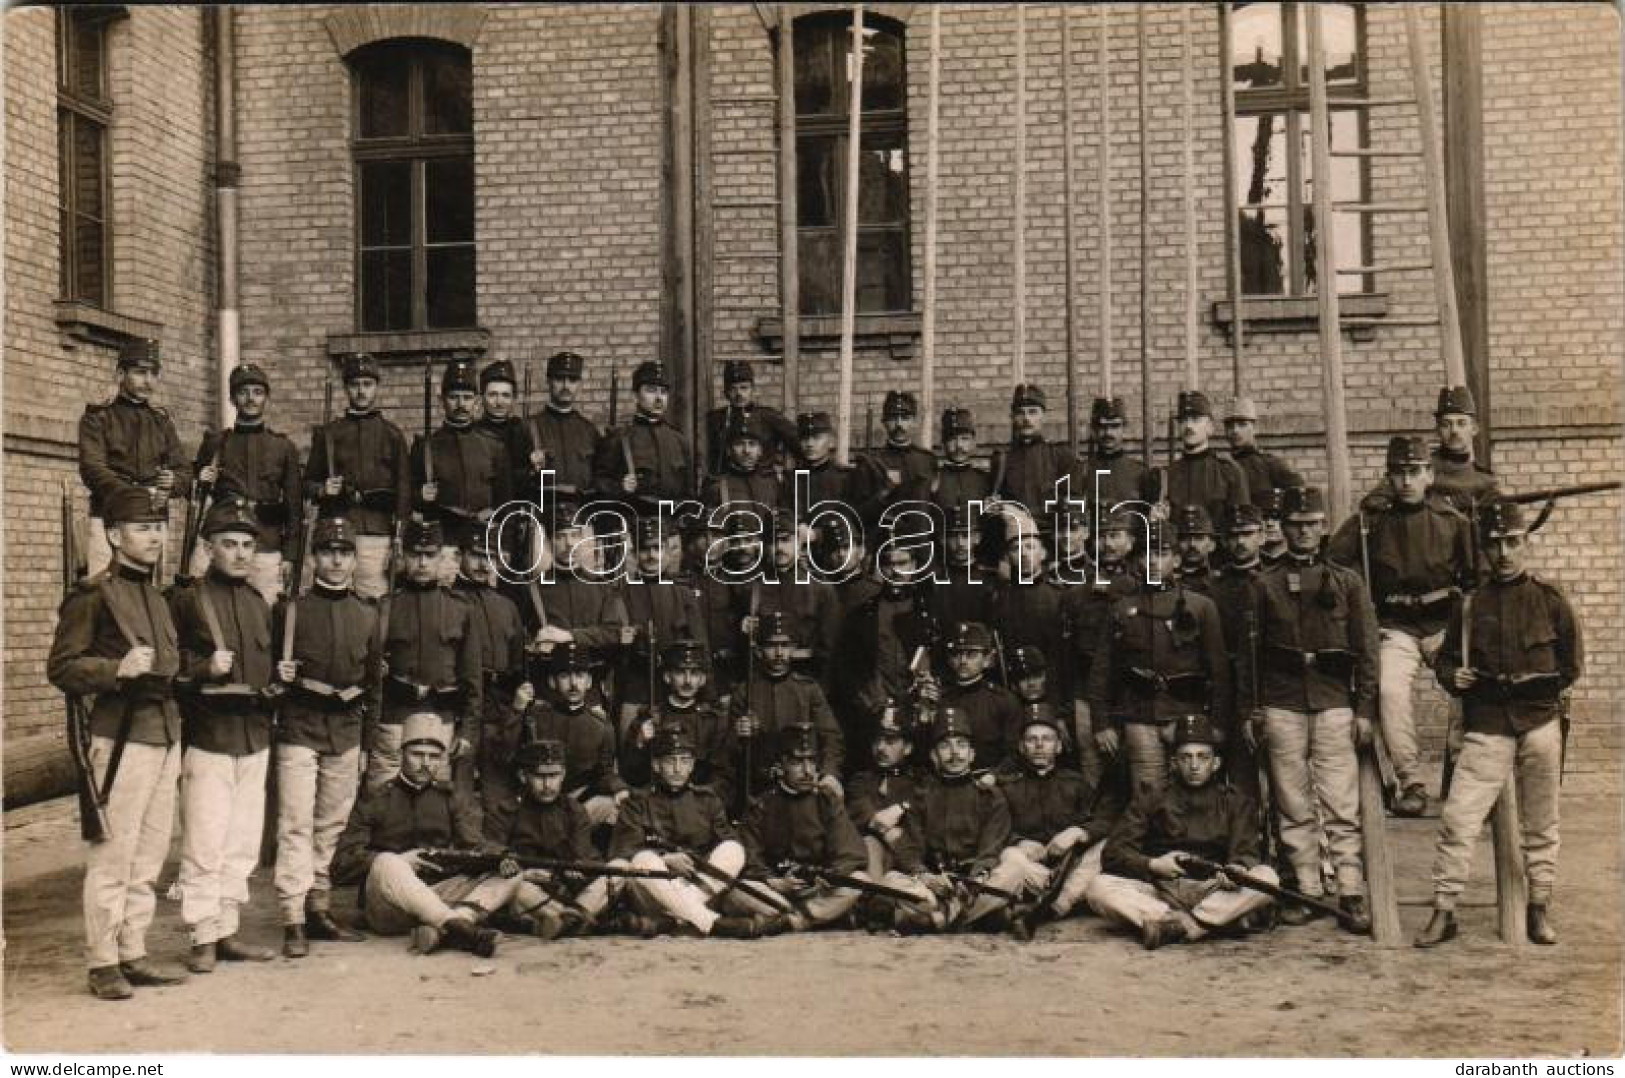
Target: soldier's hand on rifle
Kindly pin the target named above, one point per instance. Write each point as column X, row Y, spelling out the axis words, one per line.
column 524, row 696
column 629, row 483
column 747, row 625
column 220, row 663
column 166, row 480
column 206, row 474
column 460, row 748
column 833, row 785
column 887, row 818
column 621, row 797
column 136, row 662
column 418, row 863
column 508, row 868
column 1033, row 851
column 1167, row 867
column 987, row 780
column 538, row 459
column 679, row 863
column 1066, row 840
column 1107, row 740
column 429, row 491
column 746, row 725
column 287, row 670
column 333, row 486
column 629, row 635
column 928, row 689
column 1252, row 729
column 1364, row 731
column 1226, row 877
column 1465, row 678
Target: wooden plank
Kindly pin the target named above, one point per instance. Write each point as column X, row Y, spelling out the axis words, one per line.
column 928, row 281
column 789, row 239
column 1232, row 223
column 1068, row 184
column 1187, row 118
column 677, row 199
column 1147, row 441
column 695, row 383
column 849, row 243
column 1444, row 278
column 1103, row 197
column 1379, row 858
column 1018, row 239
column 1464, row 200
column 1511, row 888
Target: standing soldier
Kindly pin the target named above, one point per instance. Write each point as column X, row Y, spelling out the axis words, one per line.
column 1199, row 476
column 967, row 587
column 359, row 469
column 1512, row 650
column 1197, row 543
column 812, row 607
column 318, row 751
column 128, row 443
column 959, row 480
column 1264, row 471
column 1317, row 647
column 1273, row 549
column 115, row 640
column 826, row 480
column 1456, row 475
column 499, row 390
column 744, row 476
column 989, row 710
column 885, row 646
column 1028, row 604
column 897, row 469
column 1126, row 477
column 566, row 716
column 684, row 669
column 224, row 628
column 1085, row 610
column 779, row 435
column 254, row 462
column 1232, row 593
column 1028, row 470
column 460, row 474
column 563, row 440
column 579, row 608
column 777, row 698
column 660, row 595
column 648, row 459
column 1419, row 553
column 494, row 623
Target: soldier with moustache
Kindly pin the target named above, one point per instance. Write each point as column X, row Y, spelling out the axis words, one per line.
column 660, row 594
column 779, row 436
column 899, row 468
column 1232, row 592
column 566, row 715
column 648, row 459
column 1199, row 476
column 1197, row 544
column 1028, row 470
column 326, row 689
column 579, row 603
column 880, row 793
column 963, row 587
column 499, row 634
column 744, row 477
column 1461, row 479
column 369, row 479
column 776, row 698
column 129, row 444
column 959, row 480
column 1264, row 471
column 461, row 474
column 1421, row 553
column 1274, row 548
column 1027, row 603
column 991, row 711
column 684, row 671
column 251, row 461
column 116, row 642
column 886, row 644
column 563, row 440
column 1126, row 477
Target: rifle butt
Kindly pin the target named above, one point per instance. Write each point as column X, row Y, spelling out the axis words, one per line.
column 1379, row 858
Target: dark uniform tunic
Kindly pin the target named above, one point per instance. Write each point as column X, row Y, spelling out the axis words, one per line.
column 1044, row 805
column 872, row 487
column 335, row 643
column 673, row 606
column 716, row 753
column 1461, row 480
column 101, row 620
column 1211, row 821
column 964, row 596
column 434, row 658
column 693, row 819
column 1151, row 665
column 1126, row 479
column 781, row 444
column 1085, row 609
column 813, row 612
column 826, row 481
column 238, row 722
column 1313, row 607
column 593, row 612
column 589, row 745
column 1265, row 471
column 959, row 484
column 994, row 717
column 877, row 641
column 126, row 443
column 876, row 790
column 954, row 825
column 1421, row 558
column 806, row 827
column 733, row 487
column 1027, row 472
column 1208, row 480
column 529, row 828
column 370, row 453
column 471, row 475
column 1031, row 614
column 261, row 465
column 398, row 816
column 1525, row 646
column 792, row 700
column 514, row 436
column 570, row 441
column 660, row 459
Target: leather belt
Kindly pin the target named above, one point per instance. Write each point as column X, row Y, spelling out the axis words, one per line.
column 1418, row 602
column 1187, row 687
column 399, row 690
column 1333, row 662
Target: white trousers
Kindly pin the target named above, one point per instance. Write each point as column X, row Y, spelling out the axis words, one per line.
column 120, row 873
column 1135, row 902
column 1399, row 657
column 1315, row 770
column 315, row 792
column 1485, row 763
column 686, row 900
column 222, row 820
column 397, row 901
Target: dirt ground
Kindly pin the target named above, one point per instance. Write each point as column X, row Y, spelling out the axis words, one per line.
column 1077, row 990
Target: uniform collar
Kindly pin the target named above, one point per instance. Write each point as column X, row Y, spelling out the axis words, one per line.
column 124, row 398
column 243, row 427
column 648, row 420
column 327, row 591
column 446, row 424
column 955, row 780
column 353, row 412
column 131, row 573
column 556, row 410
column 214, row 576
column 1454, row 456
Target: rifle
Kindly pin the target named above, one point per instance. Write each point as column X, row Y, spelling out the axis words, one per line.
column 1550, row 495
column 1207, row 869
column 1057, row 879
column 327, row 419
column 382, row 639
column 1448, row 767
column 742, row 797
column 428, row 428
column 998, row 650
column 705, row 868
column 1385, row 763
column 197, row 504
column 982, row 886
column 93, row 824
column 868, row 427
column 459, row 862
column 1260, row 759
column 801, row 871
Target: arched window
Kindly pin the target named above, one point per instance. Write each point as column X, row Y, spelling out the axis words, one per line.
column 823, row 48
column 414, row 179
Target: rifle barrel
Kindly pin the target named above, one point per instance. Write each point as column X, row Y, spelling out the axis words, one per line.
column 1552, row 493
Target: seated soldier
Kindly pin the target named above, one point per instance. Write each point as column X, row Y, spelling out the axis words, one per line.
column 794, row 829
column 877, row 798
column 567, row 716
column 543, row 821
column 684, row 668
column 1057, row 819
column 1145, row 884
column 677, row 827
column 956, row 852
column 992, row 711
column 387, row 850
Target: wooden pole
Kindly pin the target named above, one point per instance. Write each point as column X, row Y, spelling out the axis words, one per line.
column 1068, row 184
column 1187, row 117
column 1018, row 358
column 849, row 237
column 1379, row 859
column 928, row 299
column 678, row 333
column 1232, row 241
column 698, row 382
column 1103, row 194
column 1444, row 277
column 1511, row 888
column 1463, row 82
column 789, row 247
column 1148, row 442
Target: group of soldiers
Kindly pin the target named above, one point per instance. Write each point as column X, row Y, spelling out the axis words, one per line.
column 1088, row 684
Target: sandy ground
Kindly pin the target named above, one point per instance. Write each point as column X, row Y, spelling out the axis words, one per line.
column 1076, row 990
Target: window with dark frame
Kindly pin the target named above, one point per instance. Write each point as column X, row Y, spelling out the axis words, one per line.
column 1268, row 51
column 414, row 179
column 823, row 52
column 84, row 112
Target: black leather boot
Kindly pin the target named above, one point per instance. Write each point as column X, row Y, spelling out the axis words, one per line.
column 1441, row 928
column 1540, row 925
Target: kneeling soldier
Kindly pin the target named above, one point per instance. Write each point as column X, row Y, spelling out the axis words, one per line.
column 1145, row 882
column 583, row 729
column 387, row 850
column 1510, row 652
column 878, row 797
column 684, row 668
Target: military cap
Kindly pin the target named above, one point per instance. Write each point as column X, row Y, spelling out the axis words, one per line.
column 957, row 516
column 1195, row 730
column 651, row 529
column 565, row 365
column 799, row 739
column 811, row 423
column 424, row 726
column 332, row 532
column 1404, row 450
column 359, row 365
column 899, row 403
column 956, row 421
column 140, row 352
column 1501, row 519
column 1192, row 403
column 950, row 722
column 684, row 655
column 134, row 505
column 498, row 370
column 1038, row 713
column 249, row 374
column 889, row 722
column 1159, row 537
column 742, row 523
column 421, row 535
column 459, row 375
column 231, row 514
column 1119, row 520
column 1270, row 503
column 546, row 754
column 1107, row 410
column 743, row 423
column 650, row 373
column 1028, row 395
column 1303, row 503
column 1194, row 520
column 774, row 627
column 476, row 541
column 1242, row 408
column 784, row 523
column 1027, row 661
column 1244, row 518
column 1455, row 400
column 969, row 634
column 568, row 657
column 671, row 739
column 737, row 372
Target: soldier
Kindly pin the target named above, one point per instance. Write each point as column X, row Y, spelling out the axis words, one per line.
column 799, row 825
column 582, row 728
column 499, row 389
column 1199, row 476
column 1197, row 544
column 1265, row 471
column 897, row 469
column 993, row 716
column 683, row 674
column 368, row 481
column 1274, row 547
column 967, row 590
column 1317, row 648
column 648, row 458
column 1232, row 593
column 959, row 480
column 1028, row 604
column 879, row 795
column 1420, row 553
column 224, row 630
column 1513, row 649
column 115, row 640
column 498, row 633
column 885, row 646
column 662, row 595
column 1145, row 883
column 1069, row 562
column 1054, row 810
column 580, row 607
column 826, row 480
column 1462, row 480
column 318, row 751
column 254, row 462
column 1029, row 469
column 779, row 436
column 542, row 821
column 672, row 826
column 562, row 439
column 433, row 656
column 1085, row 610
column 744, row 476
column 387, row 851
column 812, row 607
column 128, row 443
column 461, row 474
column 1160, row 654
column 1126, row 478
column 776, row 698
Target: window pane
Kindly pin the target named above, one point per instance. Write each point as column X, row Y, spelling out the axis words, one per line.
column 1263, row 236
column 883, row 181
column 819, row 255
column 448, row 93
column 88, row 284
column 386, row 290
column 1339, row 34
column 815, row 67
column 1255, row 46
column 450, row 290
column 885, row 82
column 883, row 283
column 1349, row 238
column 1261, row 177
column 449, row 199
column 87, row 55
column 382, row 78
column 820, row 171
column 386, row 203
column 87, row 167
